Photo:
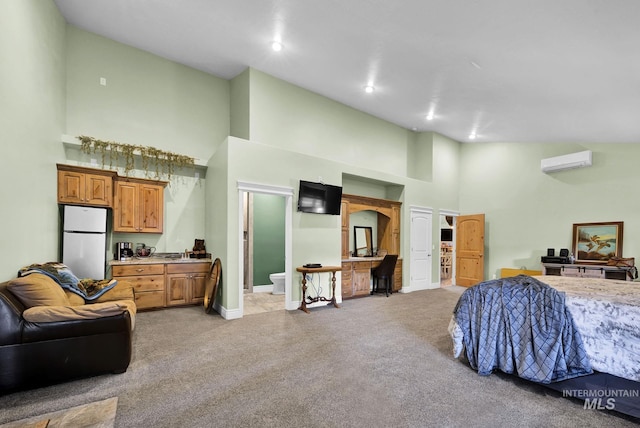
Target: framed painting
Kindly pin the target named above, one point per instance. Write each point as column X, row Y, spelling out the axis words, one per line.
column 597, row 242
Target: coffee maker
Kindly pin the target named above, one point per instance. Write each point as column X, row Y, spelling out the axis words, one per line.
column 124, row 251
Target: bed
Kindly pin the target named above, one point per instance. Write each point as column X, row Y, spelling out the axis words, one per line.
column 579, row 336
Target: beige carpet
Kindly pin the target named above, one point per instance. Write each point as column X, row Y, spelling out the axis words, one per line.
column 100, row 414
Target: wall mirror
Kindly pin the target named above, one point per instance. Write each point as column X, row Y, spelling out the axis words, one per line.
column 362, row 241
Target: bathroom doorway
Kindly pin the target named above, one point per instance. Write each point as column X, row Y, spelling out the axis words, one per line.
column 265, row 246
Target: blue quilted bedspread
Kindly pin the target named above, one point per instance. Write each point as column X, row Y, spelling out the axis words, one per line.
column 520, row 326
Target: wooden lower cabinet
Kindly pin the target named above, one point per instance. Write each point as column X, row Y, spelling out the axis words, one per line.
column 147, row 281
column 186, row 283
column 356, row 277
column 165, row 284
column 346, row 283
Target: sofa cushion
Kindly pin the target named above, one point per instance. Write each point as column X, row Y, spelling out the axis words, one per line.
column 43, row 314
column 74, row 299
column 37, row 290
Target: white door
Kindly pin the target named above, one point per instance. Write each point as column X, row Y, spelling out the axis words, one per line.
column 421, row 252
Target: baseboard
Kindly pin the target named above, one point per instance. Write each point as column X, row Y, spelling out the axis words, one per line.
column 412, row 289
column 228, row 314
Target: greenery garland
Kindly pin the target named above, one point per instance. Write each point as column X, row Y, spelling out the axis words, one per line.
column 164, row 163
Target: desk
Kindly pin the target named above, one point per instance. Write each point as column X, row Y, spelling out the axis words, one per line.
column 304, row 271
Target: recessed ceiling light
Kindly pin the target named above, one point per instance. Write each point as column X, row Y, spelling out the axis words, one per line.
column 276, row 46
column 472, row 136
column 430, row 116
column 369, row 89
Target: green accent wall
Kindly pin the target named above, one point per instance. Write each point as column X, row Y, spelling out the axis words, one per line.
column 268, row 237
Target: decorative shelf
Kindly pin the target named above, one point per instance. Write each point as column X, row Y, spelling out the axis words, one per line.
column 73, row 143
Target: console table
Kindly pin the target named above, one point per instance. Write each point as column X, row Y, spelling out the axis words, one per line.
column 304, row 271
column 588, row 271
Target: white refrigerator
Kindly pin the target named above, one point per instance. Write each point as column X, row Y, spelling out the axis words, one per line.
column 84, row 235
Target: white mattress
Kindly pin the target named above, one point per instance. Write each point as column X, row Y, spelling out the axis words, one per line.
column 607, row 315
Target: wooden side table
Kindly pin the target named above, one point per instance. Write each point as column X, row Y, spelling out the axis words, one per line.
column 308, row 299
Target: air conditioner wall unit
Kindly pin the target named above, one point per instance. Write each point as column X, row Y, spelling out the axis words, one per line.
column 570, row 161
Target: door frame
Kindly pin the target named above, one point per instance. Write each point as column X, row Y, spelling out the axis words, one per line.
column 455, row 215
column 287, row 193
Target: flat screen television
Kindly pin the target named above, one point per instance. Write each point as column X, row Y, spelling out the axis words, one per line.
column 319, row 198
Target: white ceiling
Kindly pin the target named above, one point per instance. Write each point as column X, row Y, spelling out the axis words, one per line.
column 508, row 70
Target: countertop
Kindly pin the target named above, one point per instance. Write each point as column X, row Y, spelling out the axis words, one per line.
column 362, row 259
column 155, row 260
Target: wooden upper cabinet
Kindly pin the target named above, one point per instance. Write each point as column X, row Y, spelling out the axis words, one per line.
column 138, row 205
column 388, row 213
column 85, row 186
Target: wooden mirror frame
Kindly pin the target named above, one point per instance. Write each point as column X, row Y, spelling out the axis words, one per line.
column 212, row 285
column 366, row 233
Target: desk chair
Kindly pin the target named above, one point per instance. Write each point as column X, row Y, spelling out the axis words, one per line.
column 384, row 272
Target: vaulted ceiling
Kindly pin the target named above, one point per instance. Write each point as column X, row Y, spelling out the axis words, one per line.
column 496, row 70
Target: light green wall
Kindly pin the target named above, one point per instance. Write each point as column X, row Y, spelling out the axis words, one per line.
column 32, row 115
column 294, row 134
column 293, row 118
column 240, row 105
column 148, row 101
column 528, row 211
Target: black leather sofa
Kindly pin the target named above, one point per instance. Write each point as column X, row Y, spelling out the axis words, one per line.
column 62, row 347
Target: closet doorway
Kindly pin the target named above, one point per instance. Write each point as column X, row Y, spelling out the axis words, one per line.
column 447, row 248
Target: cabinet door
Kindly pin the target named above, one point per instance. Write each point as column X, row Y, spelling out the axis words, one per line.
column 70, row 187
column 125, row 212
column 361, row 277
column 592, row 273
column 98, row 190
column 151, row 208
column 397, row 277
column 177, row 289
column 395, row 230
column 572, row 271
column 198, row 286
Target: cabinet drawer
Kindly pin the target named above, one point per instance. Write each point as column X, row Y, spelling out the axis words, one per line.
column 188, row 267
column 361, row 265
column 135, row 270
column 145, row 282
column 150, row 299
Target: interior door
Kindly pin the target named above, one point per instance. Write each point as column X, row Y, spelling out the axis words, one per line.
column 469, row 249
column 421, row 244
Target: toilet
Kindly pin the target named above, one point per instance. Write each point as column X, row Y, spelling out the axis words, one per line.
column 278, row 282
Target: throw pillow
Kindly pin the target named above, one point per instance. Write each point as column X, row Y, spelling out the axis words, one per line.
column 37, row 290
